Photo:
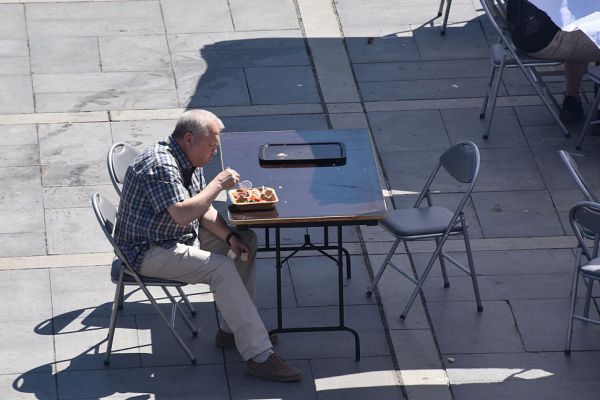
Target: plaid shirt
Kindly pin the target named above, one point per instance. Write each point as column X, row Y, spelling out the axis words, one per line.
column 158, row 178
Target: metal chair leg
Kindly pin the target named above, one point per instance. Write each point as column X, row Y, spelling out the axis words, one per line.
column 441, row 8
column 187, row 302
column 574, row 286
column 113, row 317
column 177, row 309
column 588, row 297
column 443, row 266
column 494, row 98
column 449, row 3
column 383, row 267
column 121, row 297
column 488, row 90
column 471, row 263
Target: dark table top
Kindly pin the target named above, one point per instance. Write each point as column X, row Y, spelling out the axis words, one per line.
column 343, row 194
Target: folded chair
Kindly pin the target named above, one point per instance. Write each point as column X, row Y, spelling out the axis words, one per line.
column 123, row 274
column 504, row 55
column 119, row 158
column 585, row 219
column 429, row 222
column 592, row 119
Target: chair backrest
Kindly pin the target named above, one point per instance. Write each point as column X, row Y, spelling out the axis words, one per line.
column 495, row 10
column 576, row 174
column 585, row 219
column 106, row 213
column 119, row 157
column 462, row 162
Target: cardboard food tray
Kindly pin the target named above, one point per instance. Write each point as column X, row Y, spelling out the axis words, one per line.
column 263, row 205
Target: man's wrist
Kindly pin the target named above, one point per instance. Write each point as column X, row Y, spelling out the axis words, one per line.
column 230, row 235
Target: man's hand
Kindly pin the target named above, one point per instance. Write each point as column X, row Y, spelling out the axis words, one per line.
column 226, row 179
column 238, row 246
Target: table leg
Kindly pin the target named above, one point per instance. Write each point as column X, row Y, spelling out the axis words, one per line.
column 340, row 264
column 278, row 267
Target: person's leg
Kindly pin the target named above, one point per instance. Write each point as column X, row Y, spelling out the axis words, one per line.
column 574, row 71
column 192, row 265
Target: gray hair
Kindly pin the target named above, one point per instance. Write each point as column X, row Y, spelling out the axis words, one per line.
column 196, row 122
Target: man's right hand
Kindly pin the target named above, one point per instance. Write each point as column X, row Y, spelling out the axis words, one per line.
column 227, row 179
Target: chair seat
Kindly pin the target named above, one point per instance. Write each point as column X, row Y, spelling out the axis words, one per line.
column 418, row 221
column 497, row 53
column 128, row 279
column 592, row 268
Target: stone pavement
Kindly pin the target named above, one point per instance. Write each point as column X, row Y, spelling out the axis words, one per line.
column 77, row 76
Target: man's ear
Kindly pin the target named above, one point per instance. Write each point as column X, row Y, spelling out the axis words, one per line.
column 188, row 138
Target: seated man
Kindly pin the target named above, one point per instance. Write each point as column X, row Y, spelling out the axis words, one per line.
column 533, row 32
column 168, row 228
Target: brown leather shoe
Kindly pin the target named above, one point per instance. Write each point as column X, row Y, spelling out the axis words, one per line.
column 226, row 339
column 274, row 369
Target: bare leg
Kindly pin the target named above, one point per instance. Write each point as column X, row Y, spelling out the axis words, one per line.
column 574, row 71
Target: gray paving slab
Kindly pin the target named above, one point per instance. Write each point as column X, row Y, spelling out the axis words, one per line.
column 343, row 378
column 243, row 386
column 23, row 244
column 409, row 130
column 111, row 99
column 514, row 214
column 423, row 89
column 12, row 21
column 382, row 51
column 141, row 134
column 16, row 96
column 81, row 344
column 14, row 65
column 91, row 11
column 563, row 201
column 21, row 220
column 348, row 120
column 505, row 131
column 516, row 84
column 101, row 82
column 74, row 230
column 266, row 285
column 74, row 175
column 14, row 48
column 552, row 135
column 556, row 176
column 259, row 56
column 534, row 115
column 76, row 196
column 277, row 85
column 15, row 135
column 508, row 169
column 215, row 16
column 459, row 328
column 256, row 39
column 95, row 27
column 463, row 41
column 64, row 55
column 415, row 349
column 134, row 53
column 525, row 375
column 32, row 385
column 18, row 339
column 263, row 15
column 177, row 382
column 543, row 325
column 378, row 70
column 75, row 143
column 27, row 192
column 25, row 295
column 275, row 122
column 22, row 155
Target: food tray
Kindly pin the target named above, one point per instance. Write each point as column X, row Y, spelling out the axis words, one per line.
column 268, row 199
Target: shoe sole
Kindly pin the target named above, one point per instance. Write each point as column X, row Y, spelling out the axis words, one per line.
column 286, row 379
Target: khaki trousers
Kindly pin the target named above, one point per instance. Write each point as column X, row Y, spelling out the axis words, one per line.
column 232, row 283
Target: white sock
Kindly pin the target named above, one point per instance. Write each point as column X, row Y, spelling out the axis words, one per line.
column 262, row 357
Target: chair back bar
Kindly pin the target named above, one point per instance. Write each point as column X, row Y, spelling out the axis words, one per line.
column 573, row 168
column 106, row 214
column 583, row 216
column 119, row 158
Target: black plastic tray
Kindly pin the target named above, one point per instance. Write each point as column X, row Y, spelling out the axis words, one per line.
column 299, row 154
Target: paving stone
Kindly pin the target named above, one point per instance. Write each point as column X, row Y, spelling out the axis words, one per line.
column 111, row 99
column 215, row 16
column 22, row 155
column 91, row 11
column 460, row 42
column 23, row 244
column 543, row 325
column 74, row 230
column 206, row 381
column 25, row 184
column 344, row 378
column 134, row 53
column 21, row 220
column 12, row 22
column 525, row 375
column 315, row 282
column 266, row 285
column 219, row 56
column 460, row 328
column 395, row 47
column 516, row 83
column 349, row 121
column 62, row 55
column 103, row 82
column 244, row 386
column 505, row 131
column 236, row 40
column 81, row 344
column 275, row 122
column 279, row 85
column 74, row 175
column 86, row 27
column 516, row 214
column 423, row 89
column 534, row 115
column 409, row 130
column 141, row 134
column 75, row 143
column 557, row 177
column 552, row 135
column 406, row 71
column 18, row 338
column 25, row 295
column 508, row 169
column 77, row 196
column 14, row 48
column 16, row 96
column 14, row 65
column 563, row 201
column 263, row 14
column 30, row 385
column 415, row 349
column 15, row 135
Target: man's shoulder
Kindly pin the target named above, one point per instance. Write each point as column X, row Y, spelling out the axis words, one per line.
column 155, row 156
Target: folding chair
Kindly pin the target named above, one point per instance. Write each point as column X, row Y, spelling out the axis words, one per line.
column 119, row 158
column 504, row 55
column 594, row 75
column 445, row 22
column 461, row 161
column 122, row 274
column 585, row 219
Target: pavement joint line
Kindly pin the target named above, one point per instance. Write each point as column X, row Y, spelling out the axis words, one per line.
column 496, row 244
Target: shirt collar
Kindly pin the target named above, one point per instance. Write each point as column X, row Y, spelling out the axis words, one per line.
column 186, row 166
